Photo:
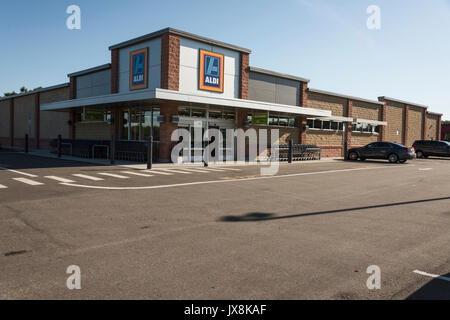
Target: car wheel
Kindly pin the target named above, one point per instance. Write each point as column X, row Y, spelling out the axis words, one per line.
column 402, row 161
column 353, row 156
column 420, row 155
column 393, row 158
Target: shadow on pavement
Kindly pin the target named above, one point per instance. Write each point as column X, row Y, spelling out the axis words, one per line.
column 258, row 216
column 436, row 289
column 12, row 160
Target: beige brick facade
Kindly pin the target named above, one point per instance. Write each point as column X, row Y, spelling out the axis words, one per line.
column 4, row 121
column 432, row 127
column 395, row 113
column 415, row 124
column 324, row 102
column 54, row 123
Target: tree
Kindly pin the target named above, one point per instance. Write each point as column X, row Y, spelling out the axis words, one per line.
column 23, row 90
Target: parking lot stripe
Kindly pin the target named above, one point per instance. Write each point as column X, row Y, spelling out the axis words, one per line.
column 174, row 171
column 195, row 170
column 87, row 177
column 118, row 176
column 214, row 170
column 3, row 187
column 431, row 275
column 19, row 172
column 229, row 169
column 161, row 173
column 137, row 174
column 28, row 181
column 59, row 179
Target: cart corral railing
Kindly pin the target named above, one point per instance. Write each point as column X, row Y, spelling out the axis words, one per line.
column 134, row 151
column 298, row 152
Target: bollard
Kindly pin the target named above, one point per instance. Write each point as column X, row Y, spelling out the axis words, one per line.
column 26, row 143
column 205, row 156
column 345, row 150
column 150, row 153
column 291, row 151
column 59, row 146
column 112, row 150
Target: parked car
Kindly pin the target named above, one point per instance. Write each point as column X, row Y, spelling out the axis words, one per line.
column 426, row 148
column 393, row 152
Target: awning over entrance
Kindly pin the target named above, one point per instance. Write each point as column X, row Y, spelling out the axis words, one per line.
column 161, row 95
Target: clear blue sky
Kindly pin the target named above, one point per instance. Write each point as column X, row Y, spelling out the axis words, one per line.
column 325, row 41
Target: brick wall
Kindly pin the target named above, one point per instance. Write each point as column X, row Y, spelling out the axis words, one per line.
column 115, row 71
column 53, row 123
column 170, row 62
column 24, row 113
column 166, row 129
column 244, row 75
column 4, row 122
column 415, row 124
column 324, row 102
column 395, row 118
column 432, row 127
column 96, row 130
column 369, row 111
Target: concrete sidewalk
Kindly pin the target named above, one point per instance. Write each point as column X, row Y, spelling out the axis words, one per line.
column 143, row 166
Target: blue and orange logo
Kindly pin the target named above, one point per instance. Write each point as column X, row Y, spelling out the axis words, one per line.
column 211, row 71
column 138, row 69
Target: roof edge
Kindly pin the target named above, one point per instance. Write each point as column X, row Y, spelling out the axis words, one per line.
column 58, row 86
column 345, row 96
column 278, row 74
column 90, row 70
column 180, row 33
column 403, row 102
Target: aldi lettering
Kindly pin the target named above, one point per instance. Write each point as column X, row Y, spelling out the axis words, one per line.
column 138, row 69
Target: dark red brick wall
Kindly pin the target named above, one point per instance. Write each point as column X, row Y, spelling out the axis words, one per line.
column 73, row 88
column 165, row 131
column 170, row 62
column 244, row 75
column 445, row 130
column 115, row 71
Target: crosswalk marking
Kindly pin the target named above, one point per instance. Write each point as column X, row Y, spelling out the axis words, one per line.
column 137, row 174
column 20, row 172
column 230, row 169
column 214, row 170
column 161, row 173
column 59, row 179
column 118, row 176
column 28, row 181
column 3, row 187
column 174, row 171
column 87, row 177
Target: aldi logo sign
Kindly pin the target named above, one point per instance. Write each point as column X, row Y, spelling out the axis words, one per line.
column 138, row 69
column 211, row 71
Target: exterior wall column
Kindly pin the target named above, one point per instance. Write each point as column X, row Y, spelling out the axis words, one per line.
column 115, row 118
column 170, row 62
column 424, row 124
column 73, row 119
column 242, row 116
column 37, row 120
column 72, row 88
column 406, row 125
column 244, row 75
column 348, row 129
column 439, row 129
column 166, row 129
column 11, row 121
column 114, row 71
column 302, row 119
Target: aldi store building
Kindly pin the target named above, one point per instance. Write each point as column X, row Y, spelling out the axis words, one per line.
column 168, row 79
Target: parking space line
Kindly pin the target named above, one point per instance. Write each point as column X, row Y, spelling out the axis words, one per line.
column 229, row 169
column 3, row 187
column 137, row 174
column 174, row 171
column 118, row 176
column 214, row 170
column 19, row 172
column 161, row 173
column 88, row 177
column 28, row 181
column 59, row 179
column 195, row 170
column 425, row 169
column 435, row 276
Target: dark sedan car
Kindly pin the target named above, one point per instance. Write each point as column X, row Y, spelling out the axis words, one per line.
column 393, row 152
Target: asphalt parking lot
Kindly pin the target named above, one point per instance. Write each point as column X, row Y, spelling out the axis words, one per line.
column 224, row 232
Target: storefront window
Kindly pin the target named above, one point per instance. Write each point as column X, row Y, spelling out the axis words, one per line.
column 184, row 112
column 135, row 125
column 215, row 114
column 199, row 113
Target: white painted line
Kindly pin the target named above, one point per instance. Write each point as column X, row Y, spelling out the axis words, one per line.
column 118, row 176
column 59, row 179
column 425, row 169
column 87, row 177
column 161, row 173
column 19, row 172
column 195, row 170
column 214, row 170
column 28, row 181
column 137, row 174
column 233, row 180
column 173, row 171
column 435, row 276
column 3, row 187
column 229, row 169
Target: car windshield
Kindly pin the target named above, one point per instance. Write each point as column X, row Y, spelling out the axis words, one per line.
column 446, row 142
